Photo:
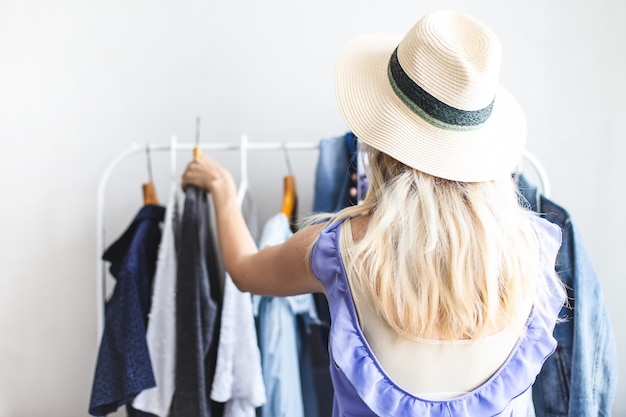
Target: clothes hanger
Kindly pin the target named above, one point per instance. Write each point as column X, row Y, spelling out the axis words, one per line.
column 173, row 144
column 290, row 195
column 539, row 170
column 149, row 191
column 196, row 150
column 242, row 190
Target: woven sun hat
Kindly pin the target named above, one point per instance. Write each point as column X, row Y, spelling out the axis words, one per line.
column 432, row 99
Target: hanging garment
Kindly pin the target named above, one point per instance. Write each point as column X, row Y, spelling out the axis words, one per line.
column 333, row 174
column 333, row 182
column 279, row 353
column 123, row 367
column 238, row 380
column 580, row 379
column 362, row 388
column 198, row 305
column 161, row 333
column 286, row 357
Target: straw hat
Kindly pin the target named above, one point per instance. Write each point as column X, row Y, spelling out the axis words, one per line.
column 432, row 99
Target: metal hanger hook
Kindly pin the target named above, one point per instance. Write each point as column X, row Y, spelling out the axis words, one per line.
column 149, row 162
column 197, row 131
column 287, row 160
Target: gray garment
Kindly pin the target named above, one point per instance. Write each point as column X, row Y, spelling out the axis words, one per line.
column 198, row 306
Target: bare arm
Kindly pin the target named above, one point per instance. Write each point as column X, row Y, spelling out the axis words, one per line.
column 275, row 270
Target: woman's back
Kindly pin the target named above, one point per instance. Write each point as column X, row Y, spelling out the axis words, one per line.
column 365, row 385
column 429, row 367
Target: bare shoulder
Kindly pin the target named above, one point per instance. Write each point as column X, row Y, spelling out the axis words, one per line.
column 311, row 232
column 358, row 226
column 301, row 241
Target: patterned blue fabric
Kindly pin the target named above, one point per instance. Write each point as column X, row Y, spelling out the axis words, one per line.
column 363, row 389
column 123, row 367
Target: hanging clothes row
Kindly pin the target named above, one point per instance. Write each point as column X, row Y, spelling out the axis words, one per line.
column 192, row 347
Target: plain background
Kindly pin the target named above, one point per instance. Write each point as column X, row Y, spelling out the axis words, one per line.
column 81, row 81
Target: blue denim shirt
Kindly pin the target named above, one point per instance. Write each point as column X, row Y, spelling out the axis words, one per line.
column 286, row 359
column 333, row 180
column 581, row 377
column 335, row 164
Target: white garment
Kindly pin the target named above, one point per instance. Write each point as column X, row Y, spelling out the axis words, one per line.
column 238, row 379
column 161, row 333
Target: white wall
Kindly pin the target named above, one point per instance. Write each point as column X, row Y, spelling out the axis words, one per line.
column 80, row 81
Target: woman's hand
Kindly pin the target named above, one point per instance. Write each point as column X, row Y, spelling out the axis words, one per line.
column 208, row 175
column 275, row 270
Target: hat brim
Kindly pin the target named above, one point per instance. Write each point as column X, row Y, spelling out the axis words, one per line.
column 379, row 118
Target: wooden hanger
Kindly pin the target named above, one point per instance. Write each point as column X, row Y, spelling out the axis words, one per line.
column 149, row 194
column 196, row 150
column 148, row 188
column 290, row 196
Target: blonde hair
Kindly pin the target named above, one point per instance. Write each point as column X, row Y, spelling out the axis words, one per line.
column 443, row 257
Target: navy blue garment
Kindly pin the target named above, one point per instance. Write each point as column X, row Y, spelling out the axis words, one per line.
column 123, row 367
column 580, row 378
column 198, row 306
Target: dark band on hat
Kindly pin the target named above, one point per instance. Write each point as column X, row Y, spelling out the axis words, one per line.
column 430, row 108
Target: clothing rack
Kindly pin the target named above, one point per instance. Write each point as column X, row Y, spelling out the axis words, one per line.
column 174, row 147
column 243, row 147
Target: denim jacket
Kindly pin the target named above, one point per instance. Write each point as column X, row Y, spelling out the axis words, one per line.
column 335, row 164
column 336, row 161
column 580, row 378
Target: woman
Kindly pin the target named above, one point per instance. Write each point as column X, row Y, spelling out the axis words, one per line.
column 441, row 287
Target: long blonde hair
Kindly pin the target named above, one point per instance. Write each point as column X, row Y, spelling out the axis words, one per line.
column 442, row 257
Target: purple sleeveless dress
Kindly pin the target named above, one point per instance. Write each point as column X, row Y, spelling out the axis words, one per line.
column 363, row 389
